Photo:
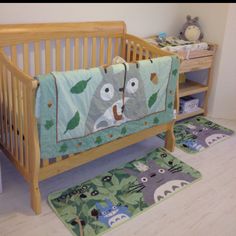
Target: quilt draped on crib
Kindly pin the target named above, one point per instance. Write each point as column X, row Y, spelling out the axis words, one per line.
column 80, row 109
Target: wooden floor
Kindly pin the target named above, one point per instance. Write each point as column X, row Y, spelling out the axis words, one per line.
column 207, row 207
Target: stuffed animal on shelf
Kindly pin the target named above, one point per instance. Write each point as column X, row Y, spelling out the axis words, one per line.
column 191, row 30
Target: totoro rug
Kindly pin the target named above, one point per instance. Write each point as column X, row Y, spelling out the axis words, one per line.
column 110, row 199
column 198, row 133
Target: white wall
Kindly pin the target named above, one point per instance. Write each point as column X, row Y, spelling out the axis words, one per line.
column 142, row 19
column 224, row 105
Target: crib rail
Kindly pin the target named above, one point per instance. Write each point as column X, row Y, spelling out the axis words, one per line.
column 15, row 115
column 138, row 49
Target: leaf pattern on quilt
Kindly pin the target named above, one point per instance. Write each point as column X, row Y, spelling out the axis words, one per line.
column 63, row 148
column 174, row 72
column 170, row 105
column 123, row 130
column 80, row 86
column 48, row 124
column 155, row 120
column 73, row 123
column 152, row 99
column 98, row 140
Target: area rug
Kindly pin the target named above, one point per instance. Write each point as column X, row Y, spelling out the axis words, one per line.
column 198, row 133
column 108, row 200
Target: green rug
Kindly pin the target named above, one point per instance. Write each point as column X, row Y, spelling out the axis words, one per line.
column 106, row 201
column 198, row 133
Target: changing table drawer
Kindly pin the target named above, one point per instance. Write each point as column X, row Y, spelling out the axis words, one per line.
column 196, row 64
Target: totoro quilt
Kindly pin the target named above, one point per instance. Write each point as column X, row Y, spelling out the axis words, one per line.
column 81, row 109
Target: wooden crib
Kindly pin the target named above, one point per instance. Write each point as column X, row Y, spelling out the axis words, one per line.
column 30, row 49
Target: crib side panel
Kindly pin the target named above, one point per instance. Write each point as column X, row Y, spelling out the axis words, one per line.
column 14, row 112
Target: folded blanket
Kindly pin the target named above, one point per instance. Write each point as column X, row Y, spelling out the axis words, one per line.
column 80, row 103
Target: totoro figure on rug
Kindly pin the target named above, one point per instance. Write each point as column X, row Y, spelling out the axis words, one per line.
column 157, row 182
column 203, row 136
column 112, row 215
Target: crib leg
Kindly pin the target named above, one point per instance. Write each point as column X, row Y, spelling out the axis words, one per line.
column 170, row 137
column 35, row 197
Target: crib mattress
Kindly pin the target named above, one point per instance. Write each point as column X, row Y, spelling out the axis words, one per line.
column 71, row 124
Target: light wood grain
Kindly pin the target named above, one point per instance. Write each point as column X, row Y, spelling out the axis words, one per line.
column 101, row 51
column 190, row 87
column 67, row 54
column 76, row 54
column 182, row 116
column 85, row 53
column 58, row 55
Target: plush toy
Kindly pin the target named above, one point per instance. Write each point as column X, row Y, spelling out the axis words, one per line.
column 191, row 30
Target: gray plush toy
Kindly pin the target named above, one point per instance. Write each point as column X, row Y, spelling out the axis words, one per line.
column 191, row 30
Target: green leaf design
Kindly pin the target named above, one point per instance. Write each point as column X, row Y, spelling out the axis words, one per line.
column 115, row 181
column 132, row 199
column 48, row 124
column 155, row 120
column 174, row 72
column 68, row 213
column 88, row 230
column 170, row 105
column 97, row 182
column 123, row 130
column 103, row 191
column 63, row 148
column 73, row 122
column 152, row 99
column 98, row 140
column 126, row 181
column 80, row 86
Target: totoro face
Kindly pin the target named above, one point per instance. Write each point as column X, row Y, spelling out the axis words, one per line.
column 118, row 98
column 192, row 33
column 154, row 176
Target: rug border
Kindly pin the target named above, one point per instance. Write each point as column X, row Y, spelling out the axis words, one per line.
column 137, row 214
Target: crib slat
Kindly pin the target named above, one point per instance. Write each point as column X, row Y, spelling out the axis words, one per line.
column 140, row 53
column 128, row 51
column 101, row 52
column 45, row 162
column 1, row 107
column 67, row 54
column 9, row 105
column 26, row 121
column 76, row 54
column 85, row 53
column 146, row 54
column 94, row 48
column 20, row 136
column 58, row 54
column 109, row 50
column 37, row 57
column 58, row 158
column 26, row 57
column 47, row 56
column 116, row 51
column 14, row 98
column 5, row 106
column 134, row 52
column 3, row 136
column 8, row 111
